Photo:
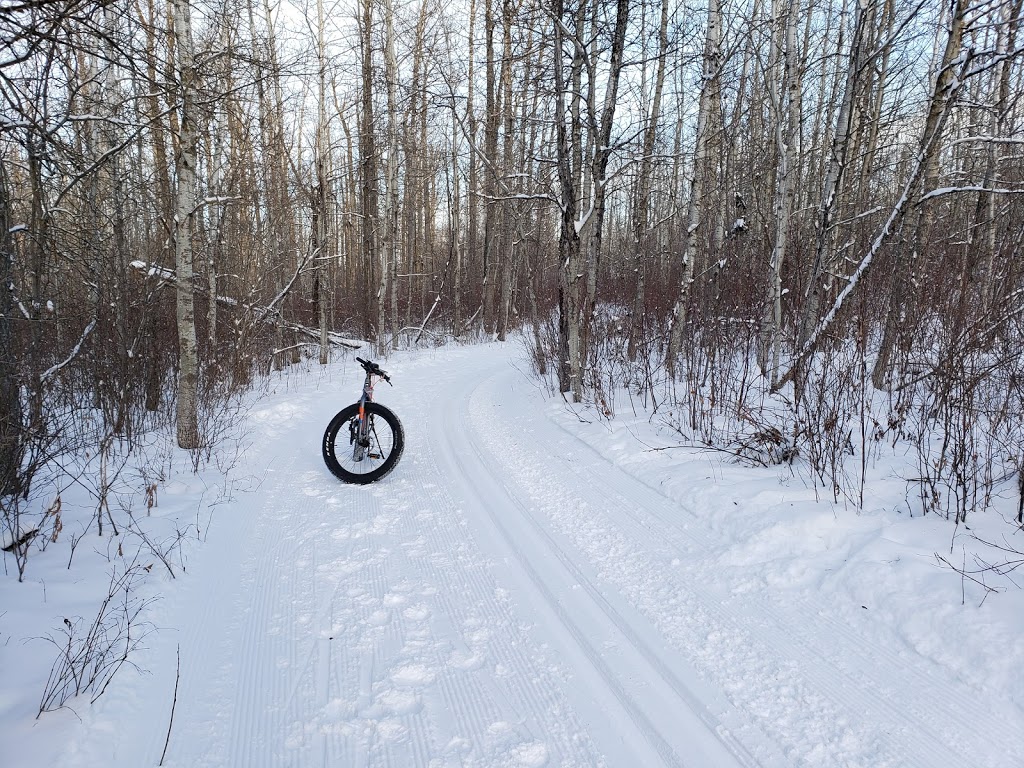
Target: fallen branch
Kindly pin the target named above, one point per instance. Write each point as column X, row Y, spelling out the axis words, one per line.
column 74, row 352
column 174, row 703
column 929, row 140
column 20, row 541
column 261, row 314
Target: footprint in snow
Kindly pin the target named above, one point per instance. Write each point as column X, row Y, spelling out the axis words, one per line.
column 413, row 675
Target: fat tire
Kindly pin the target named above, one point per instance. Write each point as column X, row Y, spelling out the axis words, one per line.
column 341, row 420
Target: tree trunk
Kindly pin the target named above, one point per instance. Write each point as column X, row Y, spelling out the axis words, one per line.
column 576, row 300
column 988, row 223
column 825, row 256
column 10, row 392
column 279, row 217
column 946, row 84
column 321, row 231
column 472, row 193
column 387, row 295
column 510, row 208
column 188, row 354
column 368, row 178
column 786, row 101
column 600, row 130
column 569, row 300
column 708, row 102
column 492, row 211
column 163, row 198
column 643, row 239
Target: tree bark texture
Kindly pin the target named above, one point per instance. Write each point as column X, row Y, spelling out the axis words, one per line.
column 187, row 417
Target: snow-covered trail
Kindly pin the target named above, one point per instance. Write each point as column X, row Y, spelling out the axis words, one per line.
column 507, row 597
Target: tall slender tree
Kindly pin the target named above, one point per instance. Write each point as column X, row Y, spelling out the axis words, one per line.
column 187, row 417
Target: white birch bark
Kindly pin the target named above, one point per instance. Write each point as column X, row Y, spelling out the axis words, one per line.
column 387, row 301
column 786, row 101
column 694, row 210
column 643, row 239
column 185, row 202
column 948, row 82
column 320, row 222
column 1006, row 41
column 824, row 256
column 568, row 138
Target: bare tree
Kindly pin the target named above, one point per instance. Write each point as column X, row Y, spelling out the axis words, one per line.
column 786, row 106
column 369, row 194
column 185, row 205
column 581, row 183
column 642, row 235
column 10, row 395
column 709, row 97
column 825, row 255
column 947, row 84
column 999, row 121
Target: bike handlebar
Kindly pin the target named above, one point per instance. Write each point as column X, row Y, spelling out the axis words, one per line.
column 372, row 368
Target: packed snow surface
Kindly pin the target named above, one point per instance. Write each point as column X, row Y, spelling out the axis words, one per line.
column 532, row 586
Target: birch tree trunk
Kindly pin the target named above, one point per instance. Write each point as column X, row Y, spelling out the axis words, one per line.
column 824, row 256
column 643, row 239
column 569, row 254
column 708, row 102
column 387, row 301
column 576, row 299
column 946, row 84
column 1006, row 42
column 321, row 152
column 368, row 178
column 786, row 103
column 188, row 354
column 10, row 393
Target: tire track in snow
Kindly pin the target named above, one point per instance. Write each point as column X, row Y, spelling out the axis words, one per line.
column 422, row 633
column 483, row 701
column 284, row 664
column 220, row 654
column 895, row 684
column 644, row 703
column 638, row 516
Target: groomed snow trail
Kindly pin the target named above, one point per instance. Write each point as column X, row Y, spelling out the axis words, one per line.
column 508, row 597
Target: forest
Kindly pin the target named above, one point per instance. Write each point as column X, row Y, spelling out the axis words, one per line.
column 789, row 228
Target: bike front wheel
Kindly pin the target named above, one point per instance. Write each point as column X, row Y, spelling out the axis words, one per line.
column 358, row 456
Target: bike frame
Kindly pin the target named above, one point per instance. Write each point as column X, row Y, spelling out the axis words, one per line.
column 375, row 435
column 362, row 437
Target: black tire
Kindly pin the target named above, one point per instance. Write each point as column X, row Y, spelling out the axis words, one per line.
column 387, row 441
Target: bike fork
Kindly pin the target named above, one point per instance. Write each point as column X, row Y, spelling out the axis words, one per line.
column 359, row 435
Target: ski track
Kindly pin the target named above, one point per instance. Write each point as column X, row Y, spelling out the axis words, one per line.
column 366, row 628
column 510, row 597
column 767, row 659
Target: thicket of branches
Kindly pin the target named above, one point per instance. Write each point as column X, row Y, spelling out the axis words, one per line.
column 730, row 203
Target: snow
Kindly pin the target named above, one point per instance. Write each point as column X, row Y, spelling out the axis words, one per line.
column 532, row 586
